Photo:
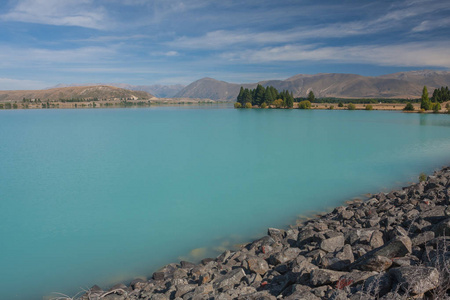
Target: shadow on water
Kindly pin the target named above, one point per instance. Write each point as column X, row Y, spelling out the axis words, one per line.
column 427, row 120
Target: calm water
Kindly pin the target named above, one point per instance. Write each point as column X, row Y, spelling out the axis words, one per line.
column 105, row 195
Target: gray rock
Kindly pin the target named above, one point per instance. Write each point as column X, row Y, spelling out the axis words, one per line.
column 379, row 285
column 276, row 234
column 181, row 290
column 442, row 228
column 422, row 238
column 332, row 244
column 375, row 263
column 376, row 240
column 339, row 261
column 230, row 279
column 257, row 265
column 416, row 280
column 284, row 256
column 323, row 276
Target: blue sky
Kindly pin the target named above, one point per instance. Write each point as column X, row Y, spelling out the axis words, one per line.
column 46, row 42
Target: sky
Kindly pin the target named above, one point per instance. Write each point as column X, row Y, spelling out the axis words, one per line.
column 144, row 42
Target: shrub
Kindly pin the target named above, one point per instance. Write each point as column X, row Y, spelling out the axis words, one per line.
column 422, row 177
column 237, row 105
column 421, row 110
column 304, row 105
column 369, row 107
column 409, row 107
column 1, row 106
column 436, row 107
column 351, row 106
column 331, row 107
column 340, row 104
column 278, row 103
column 264, row 105
column 248, row 105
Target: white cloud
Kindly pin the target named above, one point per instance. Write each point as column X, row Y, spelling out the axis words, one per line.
column 406, row 55
column 81, row 13
column 45, row 59
column 19, row 84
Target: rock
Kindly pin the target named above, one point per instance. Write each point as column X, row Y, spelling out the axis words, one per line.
column 181, row 290
column 416, row 280
column 332, row 244
column 375, row 263
column 379, row 285
column 376, row 240
column 435, row 214
column 158, row 276
column 230, row 279
column 397, row 247
column 276, row 234
column 353, row 278
column 257, row 265
column 347, row 214
column 422, row 238
column 307, row 236
column 302, row 296
column 186, row 265
column 339, row 261
column 284, row 256
column 442, row 228
column 323, row 276
column 355, row 236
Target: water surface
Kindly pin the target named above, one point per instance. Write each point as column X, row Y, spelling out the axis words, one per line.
column 98, row 196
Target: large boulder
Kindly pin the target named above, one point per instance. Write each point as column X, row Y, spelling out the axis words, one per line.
column 416, row 280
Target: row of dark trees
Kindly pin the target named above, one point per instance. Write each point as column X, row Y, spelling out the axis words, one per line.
column 267, row 96
column 441, row 95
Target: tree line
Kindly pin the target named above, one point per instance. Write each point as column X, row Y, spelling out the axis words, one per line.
column 264, row 97
column 441, row 95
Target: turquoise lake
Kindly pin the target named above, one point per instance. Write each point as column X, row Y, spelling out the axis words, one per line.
column 101, row 196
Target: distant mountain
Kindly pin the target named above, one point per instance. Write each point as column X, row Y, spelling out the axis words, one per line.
column 158, row 90
column 209, row 88
column 398, row 85
column 78, row 92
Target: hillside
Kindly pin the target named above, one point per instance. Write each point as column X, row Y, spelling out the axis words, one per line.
column 77, row 92
column 158, row 90
column 210, row 88
column 398, row 85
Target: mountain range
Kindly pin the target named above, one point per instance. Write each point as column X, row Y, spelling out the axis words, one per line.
column 158, row 90
column 77, row 92
column 397, row 85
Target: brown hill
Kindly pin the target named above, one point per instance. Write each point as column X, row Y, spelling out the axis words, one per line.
column 75, row 92
column 398, row 85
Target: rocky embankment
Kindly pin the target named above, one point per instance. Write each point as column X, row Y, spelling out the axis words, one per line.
column 392, row 246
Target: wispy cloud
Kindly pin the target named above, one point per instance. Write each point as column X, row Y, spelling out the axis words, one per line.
column 19, row 84
column 82, row 13
column 408, row 54
column 12, row 56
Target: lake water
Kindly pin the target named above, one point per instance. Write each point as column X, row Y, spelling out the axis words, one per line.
column 100, row 196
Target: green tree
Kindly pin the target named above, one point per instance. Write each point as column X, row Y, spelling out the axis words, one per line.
column 436, row 107
column 409, row 107
column 259, row 95
column 304, row 104
column 340, row 104
column 237, row 105
column 331, row 107
column 425, row 101
column 241, row 94
column 351, row 106
column 264, row 105
column 369, row 107
column 248, row 105
column 311, row 97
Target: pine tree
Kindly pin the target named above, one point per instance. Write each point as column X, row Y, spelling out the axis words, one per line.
column 425, row 102
column 311, row 96
column 241, row 94
column 258, row 99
